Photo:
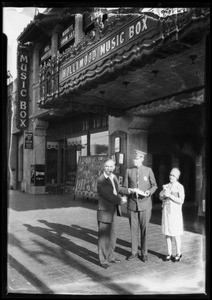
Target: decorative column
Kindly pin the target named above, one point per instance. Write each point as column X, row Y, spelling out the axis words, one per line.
column 54, row 41
column 13, row 164
column 38, row 162
column 79, row 33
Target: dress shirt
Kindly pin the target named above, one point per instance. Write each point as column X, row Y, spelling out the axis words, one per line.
column 112, row 181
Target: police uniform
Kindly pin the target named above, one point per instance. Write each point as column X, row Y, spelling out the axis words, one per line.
column 139, row 207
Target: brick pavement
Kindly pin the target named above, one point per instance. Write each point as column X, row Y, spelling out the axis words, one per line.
column 52, row 249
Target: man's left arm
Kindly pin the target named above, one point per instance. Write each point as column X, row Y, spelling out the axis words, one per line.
column 121, row 189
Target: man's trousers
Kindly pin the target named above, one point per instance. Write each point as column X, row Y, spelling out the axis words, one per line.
column 107, row 233
column 139, row 219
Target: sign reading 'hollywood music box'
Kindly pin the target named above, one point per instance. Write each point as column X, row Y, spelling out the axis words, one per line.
column 22, row 87
column 120, row 37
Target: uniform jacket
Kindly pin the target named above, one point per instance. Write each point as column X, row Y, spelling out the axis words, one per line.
column 107, row 200
column 146, row 181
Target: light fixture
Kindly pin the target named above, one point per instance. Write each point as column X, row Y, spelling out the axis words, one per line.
column 102, row 93
column 192, row 58
column 126, row 83
column 155, row 72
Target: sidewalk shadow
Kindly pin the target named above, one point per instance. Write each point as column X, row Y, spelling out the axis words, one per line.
column 62, row 253
column 28, row 275
column 159, row 255
column 13, row 241
column 85, row 234
column 56, row 238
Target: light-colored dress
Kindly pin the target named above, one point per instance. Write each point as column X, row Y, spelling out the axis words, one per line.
column 172, row 218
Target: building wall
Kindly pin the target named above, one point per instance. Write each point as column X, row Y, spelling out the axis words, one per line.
column 137, row 130
column 12, row 163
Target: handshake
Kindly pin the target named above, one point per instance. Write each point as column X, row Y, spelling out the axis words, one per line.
column 123, row 199
column 139, row 192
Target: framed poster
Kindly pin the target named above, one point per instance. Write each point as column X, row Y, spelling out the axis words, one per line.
column 89, row 169
column 28, row 140
column 117, row 144
column 121, row 158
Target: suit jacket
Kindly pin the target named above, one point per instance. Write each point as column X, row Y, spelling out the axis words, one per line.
column 107, row 200
column 146, row 180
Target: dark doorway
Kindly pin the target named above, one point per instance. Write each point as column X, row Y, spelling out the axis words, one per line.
column 161, row 168
column 52, row 163
column 187, row 178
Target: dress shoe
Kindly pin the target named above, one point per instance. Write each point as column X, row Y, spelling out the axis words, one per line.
column 132, row 256
column 104, row 266
column 177, row 257
column 115, row 260
column 144, row 258
column 168, row 257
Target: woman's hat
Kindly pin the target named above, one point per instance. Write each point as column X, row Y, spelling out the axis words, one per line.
column 175, row 172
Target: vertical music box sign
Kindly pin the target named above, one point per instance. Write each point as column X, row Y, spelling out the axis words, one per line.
column 22, row 87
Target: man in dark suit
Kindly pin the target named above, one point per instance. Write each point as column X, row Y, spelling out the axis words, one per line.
column 109, row 207
column 142, row 181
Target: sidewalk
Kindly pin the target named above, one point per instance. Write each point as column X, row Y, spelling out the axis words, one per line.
column 52, row 249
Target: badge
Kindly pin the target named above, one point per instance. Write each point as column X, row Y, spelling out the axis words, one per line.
column 145, row 178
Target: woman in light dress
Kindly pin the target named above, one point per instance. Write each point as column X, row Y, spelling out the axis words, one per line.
column 172, row 196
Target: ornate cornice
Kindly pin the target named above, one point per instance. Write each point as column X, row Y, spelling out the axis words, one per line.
column 182, row 100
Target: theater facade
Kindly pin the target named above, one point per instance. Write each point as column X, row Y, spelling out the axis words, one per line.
column 98, row 81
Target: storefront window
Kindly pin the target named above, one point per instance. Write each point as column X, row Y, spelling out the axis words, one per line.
column 82, row 148
column 99, row 143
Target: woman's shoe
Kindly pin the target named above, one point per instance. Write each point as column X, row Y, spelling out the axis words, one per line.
column 178, row 257
column 168, row 257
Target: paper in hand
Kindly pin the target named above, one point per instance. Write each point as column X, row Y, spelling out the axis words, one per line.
column 139, row 192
